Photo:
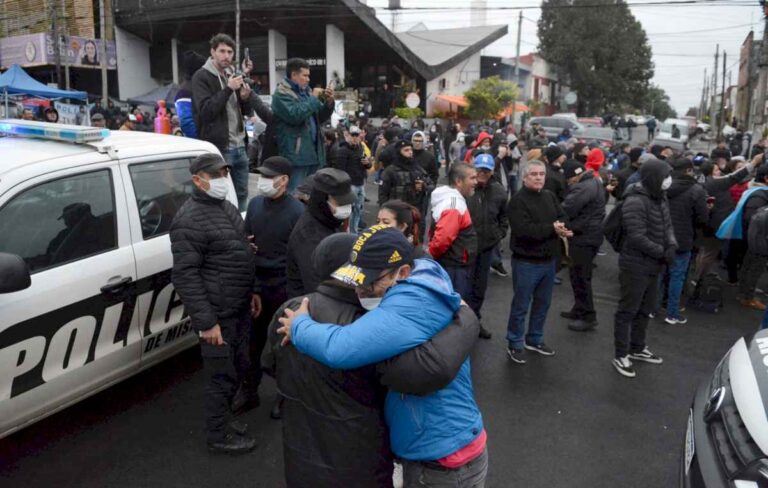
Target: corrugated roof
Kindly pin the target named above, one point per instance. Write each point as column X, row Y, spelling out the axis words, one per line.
column 435, row 47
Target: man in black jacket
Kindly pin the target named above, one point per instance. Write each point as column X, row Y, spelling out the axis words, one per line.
column 348, row 156
column 555, row 181
column 334, row 431
column 405, row 180
column 220, row 100
column 625, row 173
column 330, row 204
column 649, row 243
column 487, row 208
column 688, row 209
column 213, row 274
column 585, row 206
column 754, row 264
column 537, row 222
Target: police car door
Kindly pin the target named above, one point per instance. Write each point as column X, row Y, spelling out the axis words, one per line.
column 73, row 331
column 158, row 187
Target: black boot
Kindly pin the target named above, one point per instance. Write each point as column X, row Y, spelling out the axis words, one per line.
column 579, row 325
column 232, row 444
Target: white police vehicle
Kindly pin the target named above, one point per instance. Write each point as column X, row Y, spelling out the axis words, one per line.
column 85, row 262
column 726, row 442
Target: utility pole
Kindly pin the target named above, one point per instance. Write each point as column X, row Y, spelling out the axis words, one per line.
column 713, row 104
column 762, row 66
column 103, row 55
column 54, row 13
column 65, row 37
column 702, row 104
column 237, row 35
column 722, row 100
column 517, row 65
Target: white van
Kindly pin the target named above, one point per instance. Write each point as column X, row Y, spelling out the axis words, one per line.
column 667, row 132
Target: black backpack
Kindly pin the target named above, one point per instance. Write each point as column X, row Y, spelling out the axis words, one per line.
column 613, row 228
column 708, row 294
column 757, row 235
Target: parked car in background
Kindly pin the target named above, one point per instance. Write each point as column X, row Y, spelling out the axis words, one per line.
column 554, row 127
column 702, row 127
column 591, row 121
column 666, row 132
column 566, row 115
column 638, row 119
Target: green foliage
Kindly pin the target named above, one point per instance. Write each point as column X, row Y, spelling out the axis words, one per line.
column 656, row 102
column 599, row 49
column 409, row 113
column 488, row 97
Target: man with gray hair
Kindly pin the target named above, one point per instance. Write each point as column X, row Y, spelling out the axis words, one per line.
column 537, row 223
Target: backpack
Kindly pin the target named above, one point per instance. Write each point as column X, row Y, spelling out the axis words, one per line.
column 757, row 234
column 708, row 294
column 613, row 228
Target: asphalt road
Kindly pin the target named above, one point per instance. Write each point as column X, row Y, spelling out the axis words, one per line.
column 563, row 421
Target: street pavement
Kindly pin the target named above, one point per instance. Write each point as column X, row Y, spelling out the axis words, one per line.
column 564, row 421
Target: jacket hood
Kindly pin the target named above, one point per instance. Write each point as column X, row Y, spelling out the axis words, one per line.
column 652, row 174
column 482, row 137
column 595, row 159
column 446, row 197
column 430, row 280
column 680, row 184
column 211, row 68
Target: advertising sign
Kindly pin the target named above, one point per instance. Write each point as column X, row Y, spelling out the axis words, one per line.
column 39, row 49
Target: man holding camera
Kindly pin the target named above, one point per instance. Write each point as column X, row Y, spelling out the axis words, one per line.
column 221, row 96
column 299, row 115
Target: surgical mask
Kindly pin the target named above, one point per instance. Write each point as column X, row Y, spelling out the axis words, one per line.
column 666, row 183
column 266, row 187
column 219, row 187
column 370, row 303
column 342, row 212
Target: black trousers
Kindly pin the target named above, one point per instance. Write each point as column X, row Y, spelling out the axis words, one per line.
column 582, row 258
column 479, row 281
column 224, row 367
column 272, row 296
column 638, row 299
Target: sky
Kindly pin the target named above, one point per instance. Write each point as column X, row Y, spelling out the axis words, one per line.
column 683, row 38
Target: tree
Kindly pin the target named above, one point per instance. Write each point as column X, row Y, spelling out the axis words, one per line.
column 656, row 102
column 599, row 48
column 488, row 97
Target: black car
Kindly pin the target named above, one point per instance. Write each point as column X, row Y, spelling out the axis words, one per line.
column 726, row 442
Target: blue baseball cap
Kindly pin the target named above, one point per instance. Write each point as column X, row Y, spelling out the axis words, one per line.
column 377, row 248
column 484, row 161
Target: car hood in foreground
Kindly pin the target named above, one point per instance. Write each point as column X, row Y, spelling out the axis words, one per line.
column 748, row 365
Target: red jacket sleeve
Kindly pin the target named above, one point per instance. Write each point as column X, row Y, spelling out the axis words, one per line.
column 446, row 231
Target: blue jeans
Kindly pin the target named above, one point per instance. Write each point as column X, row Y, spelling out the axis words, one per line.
column 461, row 278
column 532, row 282
column 677, row 273
column 238, row 159
column 764, row 323
column 357, row 208
column 479, row 280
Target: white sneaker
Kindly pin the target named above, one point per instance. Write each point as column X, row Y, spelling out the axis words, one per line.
column 397, row 475
column 646, row 356
column 624, row 366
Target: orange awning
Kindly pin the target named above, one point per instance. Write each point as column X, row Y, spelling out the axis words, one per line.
column 457, row 100
column 519, row 107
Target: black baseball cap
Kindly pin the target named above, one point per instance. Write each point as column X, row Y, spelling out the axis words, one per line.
column 275, row 166
column 336, row 183
column 208, row 162
column 377, row 248
column 402, row 143
column 572, row 168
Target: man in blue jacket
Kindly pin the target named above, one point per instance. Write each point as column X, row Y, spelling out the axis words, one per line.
column 440, row 436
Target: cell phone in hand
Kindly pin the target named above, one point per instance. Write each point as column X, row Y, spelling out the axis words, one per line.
column 246, row 54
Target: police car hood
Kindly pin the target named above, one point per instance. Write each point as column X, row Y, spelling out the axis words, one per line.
column 748, row 366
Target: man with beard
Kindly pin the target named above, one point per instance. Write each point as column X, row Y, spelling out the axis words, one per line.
column 404, row 179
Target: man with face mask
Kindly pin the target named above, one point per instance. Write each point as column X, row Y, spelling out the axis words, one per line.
column 349, row 156
column 213, row 274
column 424, row 158
column 649, row 244
column 330, row 204
column 404, row 179
column 440, row 437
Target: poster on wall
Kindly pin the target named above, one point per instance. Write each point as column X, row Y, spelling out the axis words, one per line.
column 39, row 49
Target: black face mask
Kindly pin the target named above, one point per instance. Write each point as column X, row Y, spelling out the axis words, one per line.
column 582, row 158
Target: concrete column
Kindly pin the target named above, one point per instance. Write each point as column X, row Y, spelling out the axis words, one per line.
column 175, row 59
column 277, row 48
column 334, row 53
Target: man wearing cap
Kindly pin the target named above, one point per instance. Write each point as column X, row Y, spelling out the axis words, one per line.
column 585, row 206
column 97, row 120
column 404, row 179
column 440, row 436
column 487, row 209
column 213, row 274
column 334, row 431
column 81, row 235
column 330, row 204
column 349, row 156
column 555, row 181
column 271, row 217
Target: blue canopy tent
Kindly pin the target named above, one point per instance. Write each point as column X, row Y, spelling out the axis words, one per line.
column 16, row 81
column 167, row 93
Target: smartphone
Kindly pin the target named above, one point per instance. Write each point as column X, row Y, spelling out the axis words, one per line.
column 246, row 54
column 332, row 85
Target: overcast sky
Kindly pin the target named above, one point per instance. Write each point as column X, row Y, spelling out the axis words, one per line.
column 679, row 55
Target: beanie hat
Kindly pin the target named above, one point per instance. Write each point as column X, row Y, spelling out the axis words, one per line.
column 635, row 153
column 552, row 153
column 572, row 168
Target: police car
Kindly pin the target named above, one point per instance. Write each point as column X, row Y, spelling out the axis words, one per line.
column 85, row 261
column 726, row 442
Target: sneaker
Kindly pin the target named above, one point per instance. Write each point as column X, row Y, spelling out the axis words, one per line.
column 679, row 320
column 498, row 269
column 646, row 356
column 600, row 252
column 516, row 355
column 558, row 280
column 232, row 444
column 752, row 303
column 652, row 315
column 541, row 349
column 624, row 367
column 568, row 315
column 582, row 325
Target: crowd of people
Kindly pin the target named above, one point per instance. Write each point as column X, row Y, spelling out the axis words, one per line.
column 367, row 321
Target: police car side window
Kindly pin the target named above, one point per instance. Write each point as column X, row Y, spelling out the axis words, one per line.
column 161, row 188
column 60, row 221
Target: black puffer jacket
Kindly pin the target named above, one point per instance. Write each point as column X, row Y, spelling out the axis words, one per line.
column 646, row 222
column 688, row 208
column 348, row 158
column 585, row 205
column 213, row 265
column 398, row 182
column 487, row 207
column 719, row 187
column 428, row 162
column 316, row 223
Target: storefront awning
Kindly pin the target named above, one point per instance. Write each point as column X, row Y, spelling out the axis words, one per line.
column 460, row 101
column 457, row 100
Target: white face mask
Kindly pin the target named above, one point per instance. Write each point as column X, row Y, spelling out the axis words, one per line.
column 219, row 187
column 343, row 212
column 666, row 183
column 370, row 303
column 266, row 186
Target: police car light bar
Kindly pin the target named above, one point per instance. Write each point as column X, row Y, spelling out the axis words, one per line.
column 51, row 131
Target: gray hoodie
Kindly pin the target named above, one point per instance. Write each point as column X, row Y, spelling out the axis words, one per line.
column 234, row 117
